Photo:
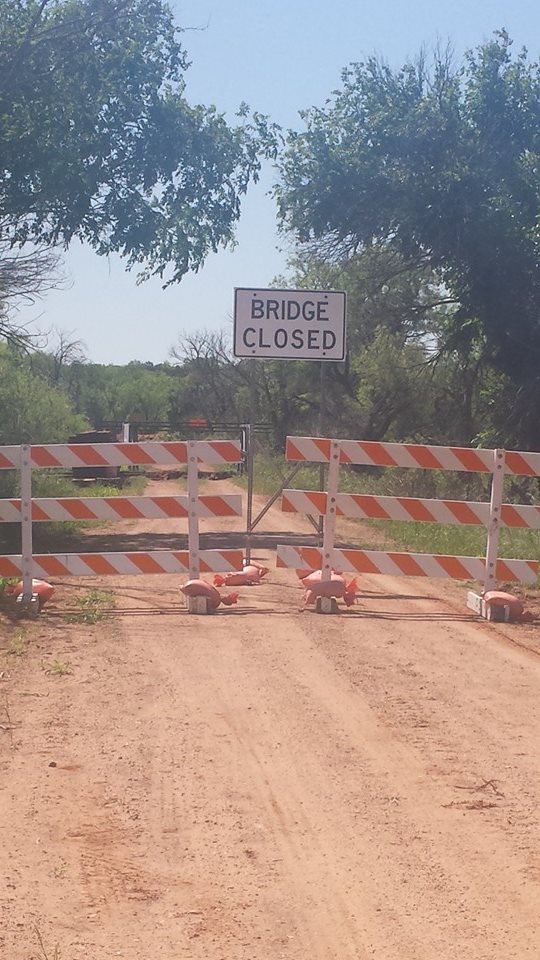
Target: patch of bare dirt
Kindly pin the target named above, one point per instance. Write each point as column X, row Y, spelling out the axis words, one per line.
column 268, row 783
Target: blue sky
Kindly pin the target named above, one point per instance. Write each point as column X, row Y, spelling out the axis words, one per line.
column 280, row 56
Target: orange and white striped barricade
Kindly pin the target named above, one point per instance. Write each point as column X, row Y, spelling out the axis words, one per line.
column 28, row 510
column 492, row 515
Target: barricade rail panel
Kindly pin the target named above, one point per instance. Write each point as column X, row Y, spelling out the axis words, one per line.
column 331, row 503
column 420, row 456
column 405, row 564
column 369, row 507
column 172, row 453
column 118, row 564
column 120, row 508
column 27, row 510
column 371, row 453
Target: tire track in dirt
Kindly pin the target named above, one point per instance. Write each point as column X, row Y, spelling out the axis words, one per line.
column 267, row 784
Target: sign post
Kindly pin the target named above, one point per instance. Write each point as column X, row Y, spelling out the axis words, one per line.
column 287, row 325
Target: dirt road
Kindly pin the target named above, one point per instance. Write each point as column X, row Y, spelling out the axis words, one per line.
column 268, row 783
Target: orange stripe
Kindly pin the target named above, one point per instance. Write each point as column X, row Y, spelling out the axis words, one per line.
column 145, row 563
column 98, row 563
column 286, row 505
column 134, row 453
column 319, row 500
column 357, row 560
column 370, row 506
column 454, row 568
column 77, row 509
column 292, row 452
column 378, row 453
column 425, row 458
column 463, row 512
column 43, row 458
column 232, row 557
column 8, row 568
column 511, row 517
column 518, row 465
column 88, row 455
column 123, row 507
column 309, row 557
column 470, row 459
column 37, row 512
column 408, row 565
column 178, row 451
column 170, row 506
column 227, row 451
column 416, row 509
column 51, row 565
column 503, row 572
column 218, row 506
column 5, row 463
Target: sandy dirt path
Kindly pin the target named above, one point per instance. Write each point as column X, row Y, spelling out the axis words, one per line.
column 268, row 783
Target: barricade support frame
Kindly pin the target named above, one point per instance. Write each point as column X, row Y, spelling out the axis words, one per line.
column 28, row 566
column 488, row 570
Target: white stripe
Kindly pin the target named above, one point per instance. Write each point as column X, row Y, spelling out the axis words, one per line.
column 308, row 450
column 530, row 516
column 148, row 507
column 9, row 513
column 213, row 452
column 13, row 454
column 123, row 566
column 521, row 570
column 532, row 459
column 233, row 501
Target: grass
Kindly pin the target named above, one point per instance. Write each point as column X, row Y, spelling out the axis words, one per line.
column 57, row 668
column 93, row 607
column 48, row 483
column 17, row 645
column 44, row 954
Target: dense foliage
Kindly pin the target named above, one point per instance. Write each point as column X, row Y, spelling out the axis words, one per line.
column 98, row 141
column 441, row 165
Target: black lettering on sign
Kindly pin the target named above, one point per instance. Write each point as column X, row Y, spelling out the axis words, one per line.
column 313, row 339
column 293, row 310
column 272, row 307
column 297, row 340
column 257, row 309
column 328, row 339
column 322, row 306
column 262, row 344
column 280, row 338
column 308, row 310
column 245, row 335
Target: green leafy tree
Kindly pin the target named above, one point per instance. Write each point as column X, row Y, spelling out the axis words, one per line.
column 99, row 142
column 443, row 166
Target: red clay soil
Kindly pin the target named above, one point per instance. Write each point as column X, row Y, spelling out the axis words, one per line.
column 267, row 782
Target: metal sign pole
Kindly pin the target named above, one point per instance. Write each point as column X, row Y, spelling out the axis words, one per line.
column 250, row 457
column 322, row 427
column 193, row 517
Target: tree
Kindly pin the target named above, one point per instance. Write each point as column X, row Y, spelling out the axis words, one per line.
column 442, row 165
column 24, row 277
column 97, row 140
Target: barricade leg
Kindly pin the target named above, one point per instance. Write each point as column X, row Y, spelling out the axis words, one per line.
column 27, row 606
column 326, row 605
column 198, row 605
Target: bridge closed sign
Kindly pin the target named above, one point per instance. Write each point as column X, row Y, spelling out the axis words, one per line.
column 289, row 324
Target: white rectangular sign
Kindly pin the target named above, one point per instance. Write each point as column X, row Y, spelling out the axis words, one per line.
column 289, row 324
